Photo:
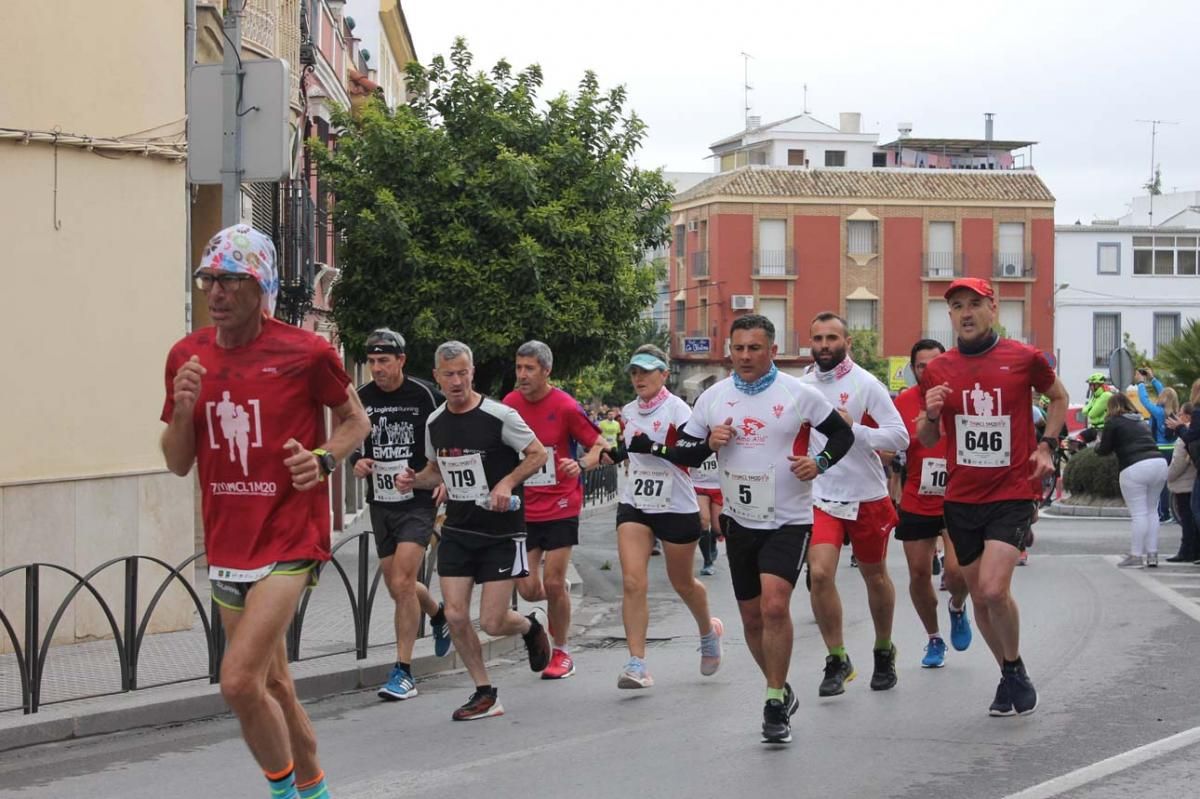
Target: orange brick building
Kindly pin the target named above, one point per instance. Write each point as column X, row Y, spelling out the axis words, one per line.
column 878, row 246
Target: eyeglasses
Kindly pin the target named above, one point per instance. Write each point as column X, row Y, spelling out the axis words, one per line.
column 230, row 282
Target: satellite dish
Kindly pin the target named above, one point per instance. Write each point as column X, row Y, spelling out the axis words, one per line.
column 1120, row 368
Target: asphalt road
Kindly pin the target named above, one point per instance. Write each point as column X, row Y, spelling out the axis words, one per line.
column 1113, row 655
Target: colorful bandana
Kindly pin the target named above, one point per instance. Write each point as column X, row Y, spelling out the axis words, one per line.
column 242, row 249
column 758, row 386
column 836, row 373
column 647, row 407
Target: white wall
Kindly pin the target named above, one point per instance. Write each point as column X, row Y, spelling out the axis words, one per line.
column 1135, row 297
column 858, row 153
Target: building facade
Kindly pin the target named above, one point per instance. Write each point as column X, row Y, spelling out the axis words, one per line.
column 1121, row 279
column 877, row 246
column 94, row 211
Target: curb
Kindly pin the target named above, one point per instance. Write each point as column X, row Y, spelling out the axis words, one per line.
column 196, row 700
column 1086, row 511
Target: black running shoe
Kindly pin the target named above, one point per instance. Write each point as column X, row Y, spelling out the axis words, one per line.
column 1020, row 689
column 790, row 701
column 481, row 705
column 884, row 676
column 537, row 644
column 777, row 726
column 1001, row 705
column 838, row 672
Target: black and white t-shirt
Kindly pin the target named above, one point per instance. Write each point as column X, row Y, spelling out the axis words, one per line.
column 475, row 451
column 398, row 420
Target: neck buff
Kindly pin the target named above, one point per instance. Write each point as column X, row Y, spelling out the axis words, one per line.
column 836, row 373
column 758, row 386
column 647, row 407
column 984, row 345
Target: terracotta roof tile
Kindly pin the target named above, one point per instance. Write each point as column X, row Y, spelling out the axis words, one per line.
column 875, row 184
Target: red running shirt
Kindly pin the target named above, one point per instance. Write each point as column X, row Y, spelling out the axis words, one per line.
column 253, row 399
column 987, row 420
column 556, row 419
column 921, row 483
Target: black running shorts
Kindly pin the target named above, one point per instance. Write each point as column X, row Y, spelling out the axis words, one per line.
column 918, row 526
column 553, row 534
column 753, row 553
column 674, row 528
column 484, row 558
column 393, row 524
column 970, row 524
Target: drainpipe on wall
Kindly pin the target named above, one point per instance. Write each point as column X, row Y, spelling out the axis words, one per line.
column 189, row 58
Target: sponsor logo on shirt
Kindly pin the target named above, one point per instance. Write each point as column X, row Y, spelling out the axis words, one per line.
column 777, row 410
column 239, row 425
column 657, row 425
column 244, row 488
column 980, row 402
column 845, row 397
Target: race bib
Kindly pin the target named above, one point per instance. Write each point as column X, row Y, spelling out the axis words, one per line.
column 464, row 477
column 383, row 479
column 239, row 575
column 651, row 488
column 933, row 478
column 984, row 441
column 750, row 495
column 709, row 467
column 548, row 474
column 839, row 510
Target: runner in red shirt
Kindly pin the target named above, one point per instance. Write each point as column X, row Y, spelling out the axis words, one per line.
column 554, row 495
column 921, row 522
column 245, row 402
column 978, row 393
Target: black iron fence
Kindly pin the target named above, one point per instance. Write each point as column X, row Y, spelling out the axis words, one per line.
column 32, row 649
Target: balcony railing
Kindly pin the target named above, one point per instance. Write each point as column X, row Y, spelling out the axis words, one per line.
column 699, row 262
column 944, row 264
column 791, row 345
column 1016, row 265
column 774, row 263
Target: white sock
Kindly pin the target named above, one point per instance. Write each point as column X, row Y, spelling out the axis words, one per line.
column 566, row 650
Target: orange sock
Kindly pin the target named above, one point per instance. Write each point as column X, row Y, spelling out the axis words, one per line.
column 304, row 785
column 282, row 774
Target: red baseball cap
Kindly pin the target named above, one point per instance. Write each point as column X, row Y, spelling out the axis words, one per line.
column 975, row 284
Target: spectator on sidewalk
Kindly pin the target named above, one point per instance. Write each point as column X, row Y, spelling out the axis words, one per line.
column 1165, row 404
column 1181, row 476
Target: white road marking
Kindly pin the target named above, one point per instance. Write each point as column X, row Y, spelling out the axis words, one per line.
column 1109, row 766
column 1163, row 592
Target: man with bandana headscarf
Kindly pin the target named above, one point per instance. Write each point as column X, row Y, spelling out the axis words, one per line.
column 266, row 514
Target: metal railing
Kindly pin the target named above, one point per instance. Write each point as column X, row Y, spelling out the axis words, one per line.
column 1015, row 265
column 34, row 648
column 699, row 263
column 944, row 264
column 774, row 263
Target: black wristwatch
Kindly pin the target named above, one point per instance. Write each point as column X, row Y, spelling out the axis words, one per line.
column 822, row 462
column 1049, row 441
column 326, row 460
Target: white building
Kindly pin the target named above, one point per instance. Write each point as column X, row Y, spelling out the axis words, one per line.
column 383, row 31
column 1115, row 279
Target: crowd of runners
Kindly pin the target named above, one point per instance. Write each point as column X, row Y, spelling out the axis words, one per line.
column 786, row 469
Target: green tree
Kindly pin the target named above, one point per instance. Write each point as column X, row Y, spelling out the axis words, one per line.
column 482, row 214
column 1181, row 358
column 1140, row 356
column 606, row 380
column 865, row 352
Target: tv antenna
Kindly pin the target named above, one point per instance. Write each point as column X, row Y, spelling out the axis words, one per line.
column 746, row 87
column 1150, row 188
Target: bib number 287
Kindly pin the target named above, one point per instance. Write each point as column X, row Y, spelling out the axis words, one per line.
column 648, row 487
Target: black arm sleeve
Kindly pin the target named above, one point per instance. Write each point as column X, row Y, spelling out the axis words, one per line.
column 686, row 451
column 840, row 435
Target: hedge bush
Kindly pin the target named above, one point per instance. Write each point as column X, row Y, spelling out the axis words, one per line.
column 1089, row 473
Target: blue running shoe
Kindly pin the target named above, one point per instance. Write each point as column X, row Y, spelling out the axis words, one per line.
column 399, row 686
column 960, row 629
column 935, row 654
column 441, row 634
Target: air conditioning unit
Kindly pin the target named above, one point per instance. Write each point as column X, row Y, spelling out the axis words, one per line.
column 1011, row 270
column 743, row 302
column 693, row 226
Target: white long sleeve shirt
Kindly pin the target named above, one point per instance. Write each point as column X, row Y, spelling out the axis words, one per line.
column 859, row 476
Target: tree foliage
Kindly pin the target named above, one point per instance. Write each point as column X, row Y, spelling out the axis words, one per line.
column 607, row 380
column 482, row 214
column 865, row 352
column 1181, row 358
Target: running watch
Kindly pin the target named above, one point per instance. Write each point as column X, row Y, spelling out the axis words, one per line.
column 326, row 461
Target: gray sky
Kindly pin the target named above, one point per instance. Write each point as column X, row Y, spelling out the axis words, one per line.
column 1072, row 75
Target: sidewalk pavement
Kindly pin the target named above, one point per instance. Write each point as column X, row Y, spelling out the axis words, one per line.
column 173, row 666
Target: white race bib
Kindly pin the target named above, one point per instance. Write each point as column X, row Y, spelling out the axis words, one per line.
column 750, row 495
column 709, row 467
column 984, row 441
column 933, row 478
column 239, row 575
column 651, row 487
column 464, row 477
column 839, row 510
column 548, row 474
column 383, row 480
